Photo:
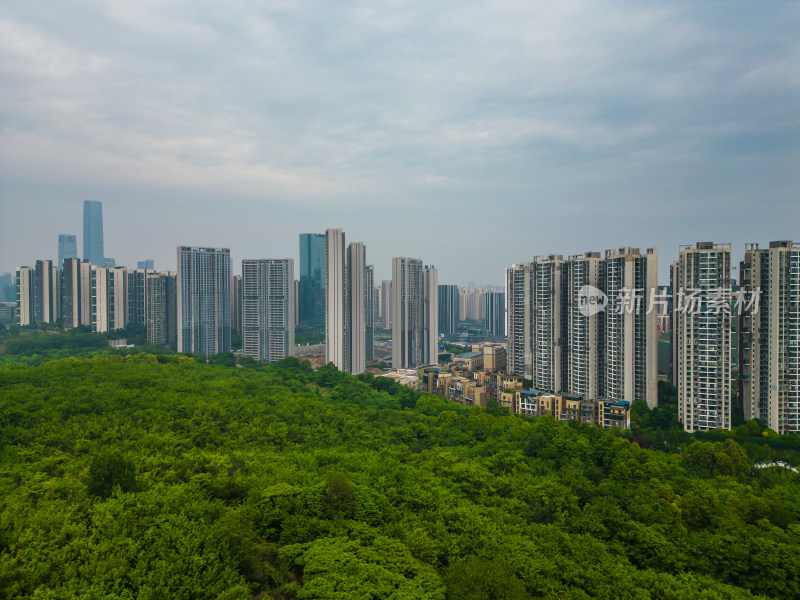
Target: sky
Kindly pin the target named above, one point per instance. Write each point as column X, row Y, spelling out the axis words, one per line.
column 472, row 135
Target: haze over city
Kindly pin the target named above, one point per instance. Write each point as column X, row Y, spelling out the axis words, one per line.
column 472, row 136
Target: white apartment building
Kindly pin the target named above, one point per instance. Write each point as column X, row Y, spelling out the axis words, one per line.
column 701, row 337
column 769, row 349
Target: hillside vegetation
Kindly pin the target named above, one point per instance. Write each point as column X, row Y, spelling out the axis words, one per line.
column 158, row 477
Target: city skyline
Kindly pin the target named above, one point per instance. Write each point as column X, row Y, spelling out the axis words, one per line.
column 664, row 276
column 458, row 117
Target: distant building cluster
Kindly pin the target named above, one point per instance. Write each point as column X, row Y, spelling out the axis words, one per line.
column 581, row 333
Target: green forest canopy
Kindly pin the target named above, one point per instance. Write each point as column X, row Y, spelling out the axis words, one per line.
column 159, row 477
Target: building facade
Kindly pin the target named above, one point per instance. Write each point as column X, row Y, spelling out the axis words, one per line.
column 769, row 335
column 582, row 357
column 311, row 298
column 355, row 334
column 162, row 308
column 386, row 303
column 430, row 314
column 67, row 248
column 237, row 302
column 47, row 292
column 109, row 298
column 701, row 338
column 137, row 296
column 335, row 297
column 371, row 313
column 204, row 300
column 76, row 293
column 495, row 313
column 448, row 309
column 629, row 352
column 93, row 247
column 517, row 300
column 544, row 323
column 557, row 342
column 268, row 309
column 415, row 335
column 26, row 295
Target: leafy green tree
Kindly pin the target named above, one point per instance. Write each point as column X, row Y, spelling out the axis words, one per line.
column 339, row 496
column 111, row 469
column 478, row 578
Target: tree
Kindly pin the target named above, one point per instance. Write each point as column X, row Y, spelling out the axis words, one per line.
column 109, row 470
column 478, row 578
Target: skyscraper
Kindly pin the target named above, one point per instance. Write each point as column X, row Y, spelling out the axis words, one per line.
column 629, row 359
column 345, row 302
column 335, row 298
column 386, row 303
column 518, row 296
column 356, row 310
column 430, row 314
column 161, row 309
column 415, row 316
column 93, row 249
column 582, row 357
column 67, row 248
column 769, row 347
column 47, row 292
column 546, row 323
column 370, row 311
column 26, row 295
column 701, row 337
column 204, row 300
column 137, row 296
column 237, row 300
column 407, row 306
column 146, row 264
column 109, row 298
column 448, row 309
column 495, row 303
column 8, row 287
column 312, row 281
column 553, row 340
column 268, row 309
column 76, row 293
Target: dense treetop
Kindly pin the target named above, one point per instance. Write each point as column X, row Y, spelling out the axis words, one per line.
column 146, row 476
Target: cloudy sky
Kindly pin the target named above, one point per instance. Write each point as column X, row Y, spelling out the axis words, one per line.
column 471, row 135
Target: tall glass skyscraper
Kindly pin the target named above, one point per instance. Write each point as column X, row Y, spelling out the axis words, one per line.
column 312, row 281
column 93, row 250
column 67, row 248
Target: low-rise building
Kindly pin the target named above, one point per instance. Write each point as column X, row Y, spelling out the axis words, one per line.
column 568, row 407
column 468, row 361
column 494, row 356
column 467, row 391
column 406, row 377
